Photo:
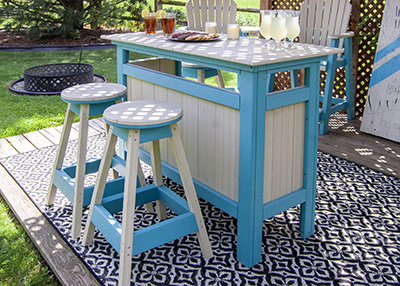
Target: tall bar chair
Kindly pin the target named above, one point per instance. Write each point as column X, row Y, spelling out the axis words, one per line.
column 223, row 12
column 325, row 22
column 138, row 122
column 84, row 100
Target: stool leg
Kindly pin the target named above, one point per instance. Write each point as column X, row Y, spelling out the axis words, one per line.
column 149, row 206
column 100, row 185
column 157, row 174
column 220, row 80
column 190, row 192
column 115, row 174
column 80, row 171
column 200, row 76
column 69, row 118
column 128, row 210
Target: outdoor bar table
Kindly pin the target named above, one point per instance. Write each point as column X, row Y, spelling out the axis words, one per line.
column 252, row 152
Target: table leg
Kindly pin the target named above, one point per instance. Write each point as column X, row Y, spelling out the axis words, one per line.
column 251, row 167
column 307, row 213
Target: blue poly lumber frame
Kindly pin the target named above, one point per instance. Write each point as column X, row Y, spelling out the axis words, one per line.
column 64, row 179
column 152, row 236
column 254, row 99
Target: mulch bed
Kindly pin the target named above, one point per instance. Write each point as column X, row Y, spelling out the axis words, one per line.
column 88, row 36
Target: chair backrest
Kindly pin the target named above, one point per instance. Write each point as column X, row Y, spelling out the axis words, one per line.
column 321, row 18
column 223, row 12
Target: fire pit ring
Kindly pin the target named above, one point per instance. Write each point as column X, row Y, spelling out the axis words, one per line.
column 56, row 77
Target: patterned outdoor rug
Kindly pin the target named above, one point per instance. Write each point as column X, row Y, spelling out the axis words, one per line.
column 356, row 240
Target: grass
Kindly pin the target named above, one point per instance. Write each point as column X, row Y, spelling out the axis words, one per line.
column 21, row 263
column 21, row 114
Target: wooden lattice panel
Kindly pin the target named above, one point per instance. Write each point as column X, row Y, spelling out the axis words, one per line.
column 373, row 12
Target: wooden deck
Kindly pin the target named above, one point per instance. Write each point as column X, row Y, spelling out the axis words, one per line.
column 343, row 140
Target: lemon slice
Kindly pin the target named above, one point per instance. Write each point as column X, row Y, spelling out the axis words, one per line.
column 161, row 14
column 145, row 13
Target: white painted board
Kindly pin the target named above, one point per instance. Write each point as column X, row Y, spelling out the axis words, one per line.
column 382, row 108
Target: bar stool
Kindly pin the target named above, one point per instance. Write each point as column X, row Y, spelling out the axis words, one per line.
column 84, row 100
column 138, row 122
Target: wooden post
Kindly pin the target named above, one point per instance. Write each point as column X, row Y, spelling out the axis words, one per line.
column 265, row 4
column 157, row 5
column 354, row 20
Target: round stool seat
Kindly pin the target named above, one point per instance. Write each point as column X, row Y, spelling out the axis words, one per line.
column 143, row 114
column 93, row 92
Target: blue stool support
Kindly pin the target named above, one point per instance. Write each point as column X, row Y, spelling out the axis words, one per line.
column 84, row 100
column 139, row 122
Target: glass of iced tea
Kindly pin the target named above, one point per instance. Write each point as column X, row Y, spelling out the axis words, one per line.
column 150, row 24
column 168, row 24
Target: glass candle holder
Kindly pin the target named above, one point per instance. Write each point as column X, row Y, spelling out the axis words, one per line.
column 211, row 28
column 233, row 32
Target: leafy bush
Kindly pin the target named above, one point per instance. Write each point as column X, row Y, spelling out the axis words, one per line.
column 41, row 18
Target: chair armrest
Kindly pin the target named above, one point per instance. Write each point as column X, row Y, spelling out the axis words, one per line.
column 247, row 30
column 341, row 36
column 183, row 28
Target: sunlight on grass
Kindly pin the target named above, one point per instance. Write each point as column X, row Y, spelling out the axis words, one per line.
column 23, row 113
column 21, row 263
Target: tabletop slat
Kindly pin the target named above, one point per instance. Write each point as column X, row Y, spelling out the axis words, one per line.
column 245, row 51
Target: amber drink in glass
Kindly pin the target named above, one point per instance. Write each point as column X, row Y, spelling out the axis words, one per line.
column 168, row 24
column 150, row 24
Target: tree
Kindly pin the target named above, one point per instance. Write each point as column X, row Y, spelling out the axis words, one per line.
column 41, row 18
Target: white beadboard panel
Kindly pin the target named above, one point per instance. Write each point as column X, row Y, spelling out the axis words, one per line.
column 284, row 142
column 210, row 135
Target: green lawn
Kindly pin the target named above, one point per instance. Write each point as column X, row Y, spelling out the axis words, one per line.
column 21, row 263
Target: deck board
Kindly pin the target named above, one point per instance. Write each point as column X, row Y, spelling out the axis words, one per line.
column 343, row 140
column 6, row 149
column 21, row 144
column 38, row 140
column 52, row 134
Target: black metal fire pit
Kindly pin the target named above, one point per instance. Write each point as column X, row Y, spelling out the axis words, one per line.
column 56, row 77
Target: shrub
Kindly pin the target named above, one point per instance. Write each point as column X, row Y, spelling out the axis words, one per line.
column 41, row 18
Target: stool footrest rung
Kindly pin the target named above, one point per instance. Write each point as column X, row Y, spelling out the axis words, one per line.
column 67, row 186
column 64, row 179
column 144, row 238
column 92, row 166
column 144, row 195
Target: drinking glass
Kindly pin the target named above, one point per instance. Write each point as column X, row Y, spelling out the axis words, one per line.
column 233, row 32
column 168, row 24
column 278, row 28
column 211, row 28
column 266, row 16
column 292, row 27
column 150, row 24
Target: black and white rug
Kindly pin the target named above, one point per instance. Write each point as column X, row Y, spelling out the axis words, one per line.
column 356, row 240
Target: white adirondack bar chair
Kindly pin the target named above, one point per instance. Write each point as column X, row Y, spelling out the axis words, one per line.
column 325, row 22
column 223, row 12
